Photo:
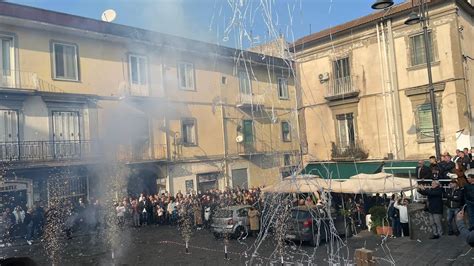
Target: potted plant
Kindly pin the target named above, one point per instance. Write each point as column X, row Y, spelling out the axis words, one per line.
column 379, row 223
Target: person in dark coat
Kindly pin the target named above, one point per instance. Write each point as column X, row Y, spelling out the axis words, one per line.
column 423, row 171
column 446, row 166
column 434, row 167
column 435, row 206
column 466, row 234
column 454, row 201
column 469, row 196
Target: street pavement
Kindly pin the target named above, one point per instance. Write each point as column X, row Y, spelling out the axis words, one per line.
column 163, row 245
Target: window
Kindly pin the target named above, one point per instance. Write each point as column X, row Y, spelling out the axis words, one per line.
column 417, row 49
column 287, row 159
column 248, row 131
column 283, row 88
column 66, row 126
column 345, row 130
column 189, row 186
column 224, row 80
column 286, row 131
column 341, row 68
column 244, row 83
column 138, row 70
column 425, row 122
column 186, row 76
column 65, row 61
column 6, row 55
column 188, row 131
column 9, row 126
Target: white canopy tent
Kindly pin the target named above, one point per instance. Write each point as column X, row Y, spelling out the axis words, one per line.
column 299, row 184
column 361, row 183
column 372, row 183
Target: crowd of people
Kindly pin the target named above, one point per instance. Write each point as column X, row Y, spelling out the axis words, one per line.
column 167, row 209
column 457, row 174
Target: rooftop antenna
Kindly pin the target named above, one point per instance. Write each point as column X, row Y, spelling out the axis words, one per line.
column 109, row 15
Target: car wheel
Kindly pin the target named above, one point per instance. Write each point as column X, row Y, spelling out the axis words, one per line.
column 239, row 232
column 216, row 235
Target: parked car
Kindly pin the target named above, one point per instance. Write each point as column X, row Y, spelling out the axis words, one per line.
column 232, row 221
column 312, row 224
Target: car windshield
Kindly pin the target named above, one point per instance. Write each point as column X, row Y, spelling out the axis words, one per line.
column 222, row 213
column 300, row 214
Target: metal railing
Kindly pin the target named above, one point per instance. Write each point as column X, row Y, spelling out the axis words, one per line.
column 30, row 151
column 250, row 99
column 254, row 147
column 16, row 79
column 46, row 150
column 342, row 86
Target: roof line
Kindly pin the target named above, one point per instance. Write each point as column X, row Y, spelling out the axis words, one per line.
column 93, row 25
column 362, row 21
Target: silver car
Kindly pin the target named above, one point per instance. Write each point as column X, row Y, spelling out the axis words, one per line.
column 231, row 221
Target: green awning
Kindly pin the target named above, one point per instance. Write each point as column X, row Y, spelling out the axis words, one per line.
column 342, row 170
column 400, row 167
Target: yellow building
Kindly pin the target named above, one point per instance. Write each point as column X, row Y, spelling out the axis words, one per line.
column 364, row 84
column 183, row 115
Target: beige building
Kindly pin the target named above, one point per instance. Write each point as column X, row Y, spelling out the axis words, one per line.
column 182, row 115
column 364, row 84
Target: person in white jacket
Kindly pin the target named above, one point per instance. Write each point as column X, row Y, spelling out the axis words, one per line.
column 402, row 209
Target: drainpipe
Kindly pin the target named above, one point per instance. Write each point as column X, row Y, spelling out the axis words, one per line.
column 394, row 81
column 465, row 77
column 224, row 138
column 384, row 95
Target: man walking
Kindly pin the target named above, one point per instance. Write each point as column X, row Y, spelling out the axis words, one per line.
column 435, row 206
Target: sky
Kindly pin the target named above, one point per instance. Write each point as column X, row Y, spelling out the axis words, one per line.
column 254, row 21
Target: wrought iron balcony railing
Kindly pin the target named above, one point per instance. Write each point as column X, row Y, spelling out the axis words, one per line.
column 247, row 100
column 342, row 87
column 16, row 79
column 46, row 150
column 252, row 148
column 31, row 151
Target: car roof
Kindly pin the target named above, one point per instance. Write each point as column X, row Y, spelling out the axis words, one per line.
column 236, row 207
column 305, row 208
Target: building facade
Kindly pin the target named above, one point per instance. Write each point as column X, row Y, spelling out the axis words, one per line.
column 364, row 85
column 78, row 95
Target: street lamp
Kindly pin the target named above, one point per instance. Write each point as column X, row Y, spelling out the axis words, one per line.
column 382, row 4
column 422, row 18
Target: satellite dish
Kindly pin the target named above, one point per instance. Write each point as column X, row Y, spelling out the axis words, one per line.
column 239, row 139
column 109, row 15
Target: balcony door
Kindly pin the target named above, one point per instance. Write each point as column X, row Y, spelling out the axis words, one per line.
column 66, row 134
column 342, row 76
column 9, row 141
column 7, row 73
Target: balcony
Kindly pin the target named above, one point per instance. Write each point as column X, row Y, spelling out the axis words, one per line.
column 29, row 151
column 87, row 150
column 245, row 101
column 141, row 153
column 350, row 152
column 15, row 79
column 342, row 88
column 252, row 148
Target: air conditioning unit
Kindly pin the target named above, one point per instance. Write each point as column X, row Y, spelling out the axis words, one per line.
column 323, row 77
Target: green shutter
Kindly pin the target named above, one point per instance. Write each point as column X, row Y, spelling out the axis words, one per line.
column 248, row 131
column 425, row 122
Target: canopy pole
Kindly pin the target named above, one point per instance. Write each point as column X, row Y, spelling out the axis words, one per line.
column 411, row 186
